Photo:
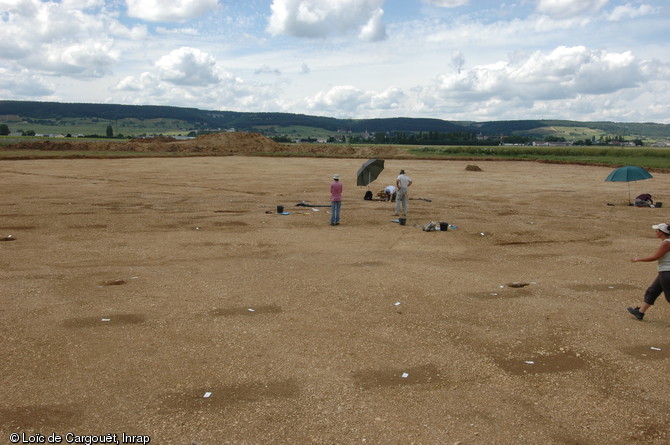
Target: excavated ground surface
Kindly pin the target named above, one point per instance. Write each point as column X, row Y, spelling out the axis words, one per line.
column 133, row 288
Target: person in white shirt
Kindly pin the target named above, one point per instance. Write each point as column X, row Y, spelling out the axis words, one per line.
column 662, row 282
column 390, row 191
column 402, row 182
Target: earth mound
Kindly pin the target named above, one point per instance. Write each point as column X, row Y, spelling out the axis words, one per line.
column 218, row 143
column 233, row 143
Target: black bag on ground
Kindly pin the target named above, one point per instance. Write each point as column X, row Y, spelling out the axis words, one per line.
column 368, row 195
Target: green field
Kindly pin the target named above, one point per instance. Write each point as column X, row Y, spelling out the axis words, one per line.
column 652, row 158
column 657, row 158
column 296, row 132
column 569, row 133
column 90, row 126
column 132, row 127
column 6, row 141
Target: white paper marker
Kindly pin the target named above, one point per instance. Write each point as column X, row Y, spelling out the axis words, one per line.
column 251, row 310
column 106, row 319
column 405, row 375
column 207, row 394
column 529, row 362
column 655, row 348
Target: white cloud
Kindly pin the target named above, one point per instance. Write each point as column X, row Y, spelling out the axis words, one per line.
column 345, row 100
column 186, row 76
column 320, row 18
column 265, row 69
column 82, row 4
column 628, row 11
column 374, row 30
column 568, row 82
column 564, row 9
column 169, row 10
column 342, row 99
column 31, row 21
column 88, row 59
column 188, row 66
column 177, row 31
column 389, row 99
column 71, row 38
column 23, row 83
column 561, row 74
column 232, row 94
column 137, row 32
column 585, row 59
column 447, row 3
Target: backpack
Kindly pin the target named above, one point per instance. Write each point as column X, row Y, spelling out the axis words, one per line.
column 430, row 227
column 368, row 196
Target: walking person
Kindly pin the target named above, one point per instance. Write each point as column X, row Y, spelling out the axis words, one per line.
column 402, row 182
column 335, row 200
column 662, row 282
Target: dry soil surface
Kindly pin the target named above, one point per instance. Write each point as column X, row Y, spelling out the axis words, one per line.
column 166, row 298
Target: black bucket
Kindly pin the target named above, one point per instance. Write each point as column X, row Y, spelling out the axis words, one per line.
column 280, row 209
column 402, row 221
column 659, row 205
column 444, row 226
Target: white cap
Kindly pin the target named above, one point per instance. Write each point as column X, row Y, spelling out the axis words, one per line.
column 336, row 177
column 663, row 227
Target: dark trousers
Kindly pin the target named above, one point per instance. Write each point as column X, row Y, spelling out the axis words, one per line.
column 660, row 284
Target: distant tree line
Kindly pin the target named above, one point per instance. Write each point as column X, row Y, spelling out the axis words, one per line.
column 202, row 120
column 455, row 138
column 425, row 138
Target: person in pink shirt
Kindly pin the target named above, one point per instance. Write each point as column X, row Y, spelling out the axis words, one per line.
column 335, row 200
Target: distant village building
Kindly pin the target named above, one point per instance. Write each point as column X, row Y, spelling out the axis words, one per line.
column 551, row 144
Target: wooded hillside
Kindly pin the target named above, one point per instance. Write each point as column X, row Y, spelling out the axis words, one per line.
column 196, row 119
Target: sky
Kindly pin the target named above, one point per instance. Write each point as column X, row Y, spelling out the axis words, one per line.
column 457, row 60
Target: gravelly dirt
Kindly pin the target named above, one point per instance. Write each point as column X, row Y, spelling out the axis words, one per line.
column 134, row 287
